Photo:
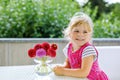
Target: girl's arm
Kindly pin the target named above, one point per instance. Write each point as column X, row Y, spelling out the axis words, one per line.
column 66, row 64
column 80, row 72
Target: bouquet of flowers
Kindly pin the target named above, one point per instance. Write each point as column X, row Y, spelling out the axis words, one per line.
column 42, row 52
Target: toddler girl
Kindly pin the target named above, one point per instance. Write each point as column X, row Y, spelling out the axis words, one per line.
column 81, row 56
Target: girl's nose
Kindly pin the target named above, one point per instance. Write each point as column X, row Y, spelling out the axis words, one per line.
column 80, row 34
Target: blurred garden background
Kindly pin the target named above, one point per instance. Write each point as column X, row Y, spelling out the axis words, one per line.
column 48, row 18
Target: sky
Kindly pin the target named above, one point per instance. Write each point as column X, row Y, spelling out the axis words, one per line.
column 82, row 2
column 112, row 1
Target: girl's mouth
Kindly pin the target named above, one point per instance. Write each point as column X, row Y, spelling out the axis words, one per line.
column 80, row 39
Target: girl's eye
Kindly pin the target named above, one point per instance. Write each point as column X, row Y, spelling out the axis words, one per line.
column 85, row 32
column 76, row 31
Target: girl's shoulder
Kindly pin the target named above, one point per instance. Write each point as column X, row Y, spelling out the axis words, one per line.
column 89, row 50
column 65, row 49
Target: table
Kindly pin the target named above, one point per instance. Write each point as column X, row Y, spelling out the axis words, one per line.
column 26, row 72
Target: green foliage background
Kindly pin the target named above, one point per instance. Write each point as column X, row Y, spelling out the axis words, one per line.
column 48, row 18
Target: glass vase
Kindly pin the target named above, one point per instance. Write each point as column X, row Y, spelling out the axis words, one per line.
column 43, row 68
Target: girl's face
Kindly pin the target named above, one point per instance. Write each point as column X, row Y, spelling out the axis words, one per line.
column 79, row 35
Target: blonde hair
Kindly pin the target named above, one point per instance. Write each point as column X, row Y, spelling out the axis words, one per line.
column 78, row 19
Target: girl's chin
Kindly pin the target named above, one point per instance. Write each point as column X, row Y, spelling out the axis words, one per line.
column 80, row 43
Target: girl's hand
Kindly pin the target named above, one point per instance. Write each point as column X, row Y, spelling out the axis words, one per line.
column 58, row 70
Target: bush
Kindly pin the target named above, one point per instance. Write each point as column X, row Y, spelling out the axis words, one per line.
column 47, row 19
column 107, row 26
column 35, row 18
column 17, row 19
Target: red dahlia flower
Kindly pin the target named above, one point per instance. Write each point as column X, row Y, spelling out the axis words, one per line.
column 54, row 46
column 31, row 53
column 45, row 45
column 37, row 46
column 51, row 52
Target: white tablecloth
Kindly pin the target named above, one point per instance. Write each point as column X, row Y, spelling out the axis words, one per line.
column 27, row 73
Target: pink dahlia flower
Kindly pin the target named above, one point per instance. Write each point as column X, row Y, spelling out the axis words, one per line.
column 41, row 52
